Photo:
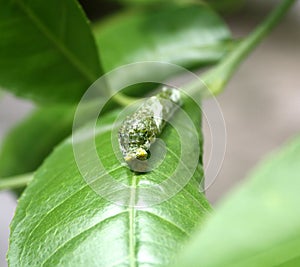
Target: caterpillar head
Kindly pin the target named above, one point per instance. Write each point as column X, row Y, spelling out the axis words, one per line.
column 139, row 153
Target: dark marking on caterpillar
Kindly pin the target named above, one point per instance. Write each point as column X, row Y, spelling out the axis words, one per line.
column 141, row 129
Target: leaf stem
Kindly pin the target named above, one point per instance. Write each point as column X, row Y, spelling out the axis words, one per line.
column 216, row 79
column 15, row 181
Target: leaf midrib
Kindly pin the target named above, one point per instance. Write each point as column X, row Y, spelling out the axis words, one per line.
column 131, row 213
column 133, row 261
column 132, row 221
column 64, row 51
column 132, row 230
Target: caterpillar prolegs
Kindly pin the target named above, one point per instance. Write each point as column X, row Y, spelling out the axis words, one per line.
column 141, row 129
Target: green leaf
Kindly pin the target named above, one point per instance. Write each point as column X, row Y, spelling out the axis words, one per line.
column 47, row 50
column 259, row 223
column 186, row 35
column 30, row 141
column 62, row 221
column 223, row 6
column 226, row 6
column 27, row 145
column 152, row 2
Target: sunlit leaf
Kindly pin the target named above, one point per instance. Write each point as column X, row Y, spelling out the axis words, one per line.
column 81, row 227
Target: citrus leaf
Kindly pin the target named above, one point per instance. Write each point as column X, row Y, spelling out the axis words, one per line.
column 62, row 221
column 153, row 3
column 259, row 223
column 38, row 134
column 47, row 50
column 227, row 6
column 190, row 36
column 29, row 142
column 223, row 6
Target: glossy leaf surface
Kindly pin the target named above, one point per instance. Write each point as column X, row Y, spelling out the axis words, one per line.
column 47, row 50
column 80, row 227
column 190, row 36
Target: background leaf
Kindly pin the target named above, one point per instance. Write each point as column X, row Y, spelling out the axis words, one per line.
column 29, row 142
column 190, row 36
column 154, row 3
column 47, row 51
column 226, row 6
column 27, row 145
column 257, row 225
column 223, row 6
column 72, row 225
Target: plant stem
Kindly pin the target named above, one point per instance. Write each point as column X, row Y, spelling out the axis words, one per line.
column 15, row 181
column 216, row 79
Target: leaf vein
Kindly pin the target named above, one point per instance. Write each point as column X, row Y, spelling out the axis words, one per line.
column 61, row 47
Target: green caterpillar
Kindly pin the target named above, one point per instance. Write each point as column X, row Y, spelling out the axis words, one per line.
column 140, row 130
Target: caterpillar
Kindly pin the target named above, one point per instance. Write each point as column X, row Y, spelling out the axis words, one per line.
column 139, row 131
